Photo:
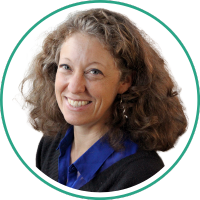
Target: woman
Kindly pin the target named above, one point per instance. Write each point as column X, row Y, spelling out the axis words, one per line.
column 105, row 102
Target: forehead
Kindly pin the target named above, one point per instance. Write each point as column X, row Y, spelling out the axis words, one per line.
column 84, row 46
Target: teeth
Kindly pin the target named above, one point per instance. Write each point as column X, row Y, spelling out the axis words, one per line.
column 77, row 103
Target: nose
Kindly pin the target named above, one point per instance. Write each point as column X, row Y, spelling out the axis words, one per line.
column 76, row 83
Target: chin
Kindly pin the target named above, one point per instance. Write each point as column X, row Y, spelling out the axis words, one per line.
column 75, row 121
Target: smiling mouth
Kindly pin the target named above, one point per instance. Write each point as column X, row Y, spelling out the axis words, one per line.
column 76, row 104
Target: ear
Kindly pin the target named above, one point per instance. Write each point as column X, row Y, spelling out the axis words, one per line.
column 124, row 85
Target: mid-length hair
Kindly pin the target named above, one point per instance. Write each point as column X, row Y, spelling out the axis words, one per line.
column 153, row 117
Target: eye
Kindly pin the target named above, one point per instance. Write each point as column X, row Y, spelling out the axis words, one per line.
column 95, row 71
column 65, row 66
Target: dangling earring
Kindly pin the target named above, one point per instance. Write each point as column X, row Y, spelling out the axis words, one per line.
column 123, row 108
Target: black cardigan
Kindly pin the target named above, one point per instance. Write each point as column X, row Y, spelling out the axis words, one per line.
column 125, row 173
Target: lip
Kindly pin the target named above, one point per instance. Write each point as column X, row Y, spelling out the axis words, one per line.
column 81, row 108
column 76, row 99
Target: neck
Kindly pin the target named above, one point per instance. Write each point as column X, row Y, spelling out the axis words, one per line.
column 84, row 138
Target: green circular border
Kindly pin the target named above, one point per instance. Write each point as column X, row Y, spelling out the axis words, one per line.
column 122, row 4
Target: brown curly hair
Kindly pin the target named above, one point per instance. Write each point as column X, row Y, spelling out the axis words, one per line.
column 155, row 117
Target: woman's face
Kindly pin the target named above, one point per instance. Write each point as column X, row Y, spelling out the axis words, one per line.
column 87, row 81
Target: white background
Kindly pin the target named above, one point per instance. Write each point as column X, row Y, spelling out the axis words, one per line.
column 26, row 139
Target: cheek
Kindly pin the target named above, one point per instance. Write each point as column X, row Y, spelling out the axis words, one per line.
column 111, row 87
column 58, row 88
column 106, row 91
column 59, row 83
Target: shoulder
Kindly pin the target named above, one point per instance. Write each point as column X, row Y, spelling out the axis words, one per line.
column 127, row 172
column 46, row 149
column 137, row 168
column 143, row 162
column 48, row 153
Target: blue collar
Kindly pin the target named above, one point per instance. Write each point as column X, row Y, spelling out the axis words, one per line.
column 93, row 159
column 89, row 163
column 96, row 159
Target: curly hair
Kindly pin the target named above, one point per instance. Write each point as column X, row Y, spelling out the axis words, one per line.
column 154, row 115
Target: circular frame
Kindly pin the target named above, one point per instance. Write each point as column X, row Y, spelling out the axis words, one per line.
column 88, row 195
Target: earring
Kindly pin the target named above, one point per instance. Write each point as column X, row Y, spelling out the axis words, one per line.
column 124, row 110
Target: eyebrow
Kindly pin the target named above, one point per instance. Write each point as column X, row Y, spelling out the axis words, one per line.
column 96, row 63
column 65, row 58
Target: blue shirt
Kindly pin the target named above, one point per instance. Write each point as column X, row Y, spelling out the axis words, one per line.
column 96, row 159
